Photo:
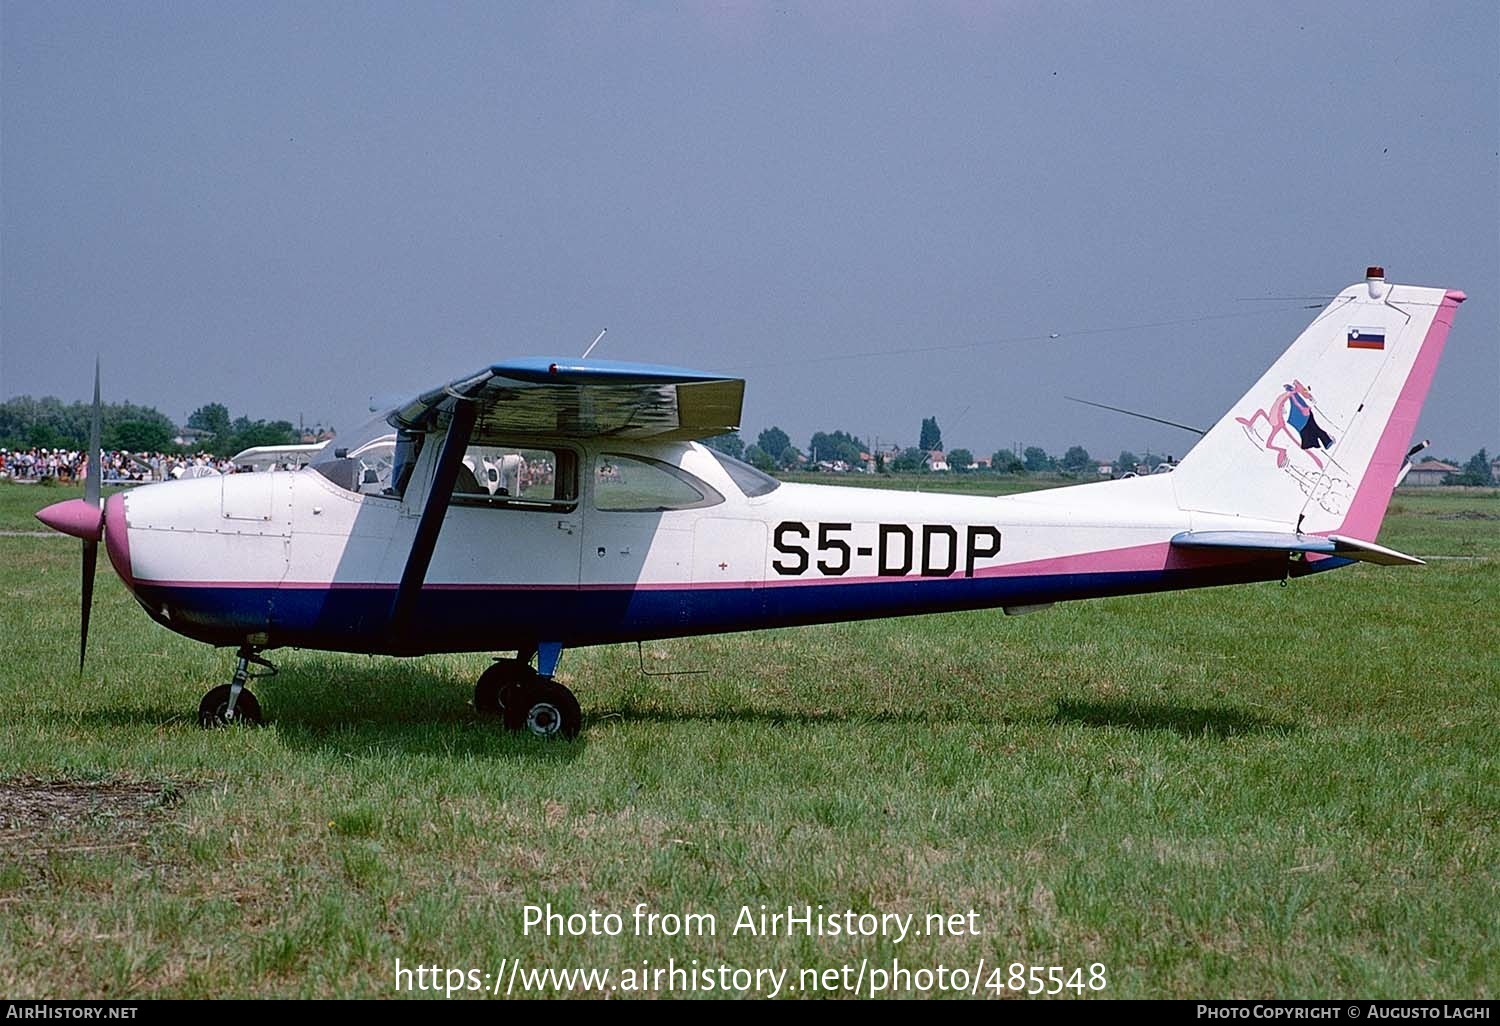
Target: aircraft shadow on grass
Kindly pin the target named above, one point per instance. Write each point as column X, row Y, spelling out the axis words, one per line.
column 630, row 712
column 358, row 711
column 329, row 705
column 1185, row 720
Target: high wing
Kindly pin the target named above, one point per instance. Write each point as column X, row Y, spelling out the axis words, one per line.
column 572, row 398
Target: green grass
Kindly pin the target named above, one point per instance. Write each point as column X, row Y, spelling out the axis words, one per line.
column 1253, row 791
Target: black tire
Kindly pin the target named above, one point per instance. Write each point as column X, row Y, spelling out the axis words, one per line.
column 543, row 708
column 503, row 678
column 211, row 709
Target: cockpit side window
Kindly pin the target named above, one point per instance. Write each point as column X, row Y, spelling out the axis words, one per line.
column 497, row 474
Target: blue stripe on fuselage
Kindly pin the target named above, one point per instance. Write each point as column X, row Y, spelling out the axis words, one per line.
column 356, row 619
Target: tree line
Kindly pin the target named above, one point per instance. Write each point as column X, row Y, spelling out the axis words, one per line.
column 50, row 423
column 773, row 450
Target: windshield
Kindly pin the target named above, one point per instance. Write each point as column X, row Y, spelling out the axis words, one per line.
column 749, row 480
column 362, row 460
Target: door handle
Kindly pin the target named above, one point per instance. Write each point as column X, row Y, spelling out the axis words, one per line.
column 567, row 525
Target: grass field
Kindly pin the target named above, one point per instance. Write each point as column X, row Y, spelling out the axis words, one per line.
column 1253, row 791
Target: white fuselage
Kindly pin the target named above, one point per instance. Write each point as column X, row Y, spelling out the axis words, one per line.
column 296, row 559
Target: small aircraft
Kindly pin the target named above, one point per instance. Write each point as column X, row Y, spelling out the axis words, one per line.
column 544, row 504
column 261, row 458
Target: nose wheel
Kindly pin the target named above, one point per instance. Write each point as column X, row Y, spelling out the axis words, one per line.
column 214, row 711
column 232, row 704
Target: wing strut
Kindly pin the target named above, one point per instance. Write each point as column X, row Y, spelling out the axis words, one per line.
column 444, row 475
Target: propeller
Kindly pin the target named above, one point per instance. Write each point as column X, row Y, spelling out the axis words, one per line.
column 91, row 487
column 84, row 518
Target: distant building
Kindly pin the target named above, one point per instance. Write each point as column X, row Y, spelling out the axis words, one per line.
column 983, row 462
column 937, row 461
column 887, row 455
column 1429, row 473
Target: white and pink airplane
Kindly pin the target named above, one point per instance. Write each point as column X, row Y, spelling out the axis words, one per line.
column 542, row 504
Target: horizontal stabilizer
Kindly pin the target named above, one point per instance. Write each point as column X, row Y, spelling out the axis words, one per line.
column 1277, row 541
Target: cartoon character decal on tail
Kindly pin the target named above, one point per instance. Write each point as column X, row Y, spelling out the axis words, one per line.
column 1294, row 414
column 1291, row 411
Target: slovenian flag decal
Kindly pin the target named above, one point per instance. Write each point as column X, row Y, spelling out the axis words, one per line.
column 1366, row 338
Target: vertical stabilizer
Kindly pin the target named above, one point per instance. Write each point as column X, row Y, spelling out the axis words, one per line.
column 1318, row 443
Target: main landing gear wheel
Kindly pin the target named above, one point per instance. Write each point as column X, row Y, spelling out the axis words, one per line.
column 543, row 708
column 213, row 711
column 505, row 678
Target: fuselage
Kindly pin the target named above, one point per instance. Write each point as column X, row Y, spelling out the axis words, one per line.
column 296, row 559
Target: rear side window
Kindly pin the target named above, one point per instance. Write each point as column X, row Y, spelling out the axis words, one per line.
column 745, row 477
column 636, row 484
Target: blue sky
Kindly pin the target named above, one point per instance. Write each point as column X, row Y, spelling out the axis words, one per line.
column 870, row 209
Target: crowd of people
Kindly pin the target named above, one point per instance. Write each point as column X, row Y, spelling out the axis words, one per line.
column 70, row 465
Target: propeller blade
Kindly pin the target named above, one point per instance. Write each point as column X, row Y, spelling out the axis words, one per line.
column 91, row 484
column 90, row 558
column 91, row 489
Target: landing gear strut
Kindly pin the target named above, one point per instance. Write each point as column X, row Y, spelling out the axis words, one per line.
column 232, row 703
column 530, row 700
